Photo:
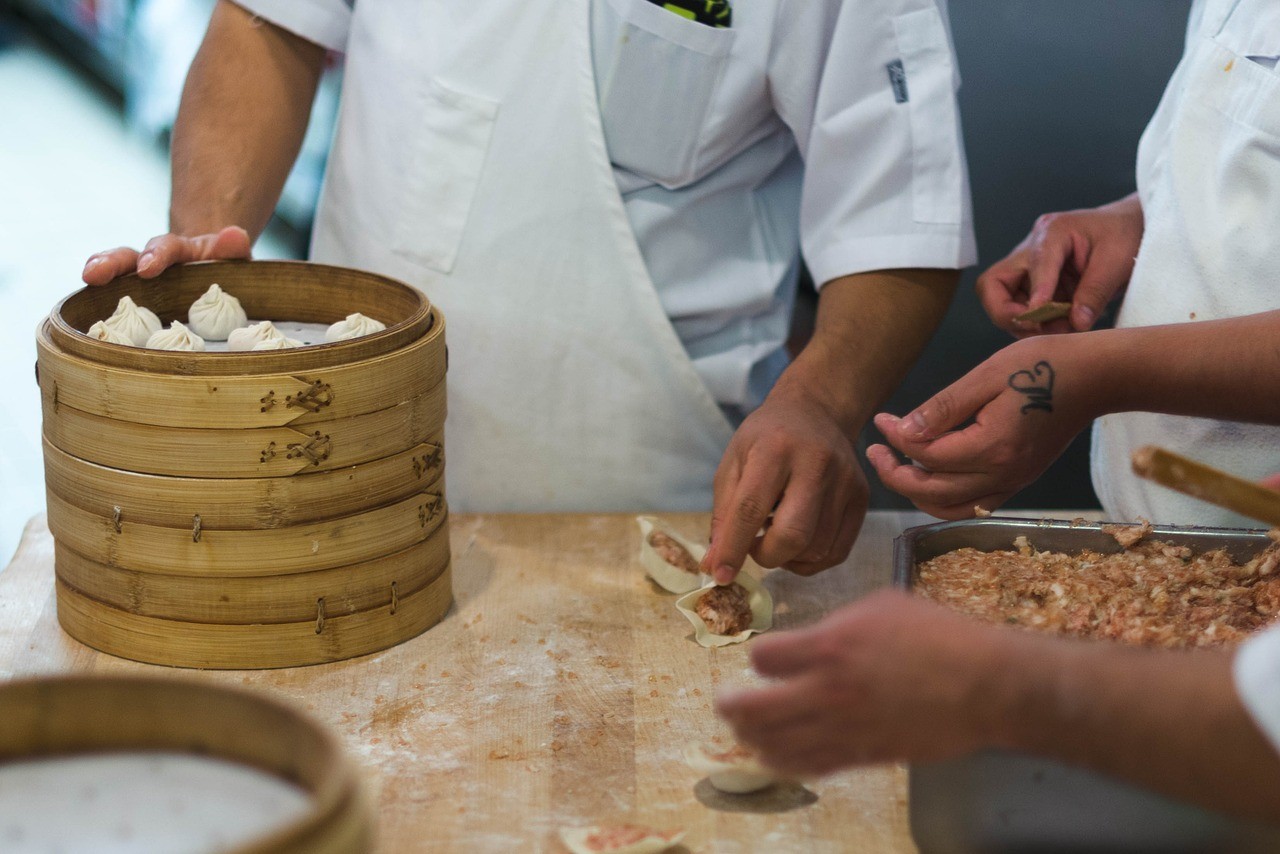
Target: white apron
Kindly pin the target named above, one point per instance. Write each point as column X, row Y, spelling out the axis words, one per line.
column 1209, row 180
column 469, row 160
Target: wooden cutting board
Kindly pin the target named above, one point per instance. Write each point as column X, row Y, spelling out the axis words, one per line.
column 559, row 690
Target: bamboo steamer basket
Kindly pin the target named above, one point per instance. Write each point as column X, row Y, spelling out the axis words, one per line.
column 248, row 510
column 67, row 716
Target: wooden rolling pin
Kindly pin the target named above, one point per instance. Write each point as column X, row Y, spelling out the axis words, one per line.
column 1207, row 483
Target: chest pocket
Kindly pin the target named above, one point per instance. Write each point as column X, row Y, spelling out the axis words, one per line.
column 656, row 75
column 1252, row 31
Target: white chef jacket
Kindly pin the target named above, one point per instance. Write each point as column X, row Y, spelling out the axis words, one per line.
column 1257, row 677
column 734, row 147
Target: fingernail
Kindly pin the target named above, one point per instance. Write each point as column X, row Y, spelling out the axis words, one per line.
column 93, row 262
column 723, row 575
column 1084, row 316
column 914, row 425
column 145, row 259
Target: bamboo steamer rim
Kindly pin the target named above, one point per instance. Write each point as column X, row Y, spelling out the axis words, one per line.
column 262, row 287
column 77, row 715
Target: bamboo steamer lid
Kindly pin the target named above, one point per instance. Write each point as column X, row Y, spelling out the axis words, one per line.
column 68, row 716
column 245, row 510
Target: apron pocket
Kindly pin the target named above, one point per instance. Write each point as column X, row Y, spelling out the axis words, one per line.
column 452, row 139
column 929, row 90
column 658, row 78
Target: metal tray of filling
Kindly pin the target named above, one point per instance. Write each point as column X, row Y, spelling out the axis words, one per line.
column 998, row 801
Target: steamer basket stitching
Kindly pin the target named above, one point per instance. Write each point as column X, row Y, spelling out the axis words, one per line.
column 429, row 461
column 316, row 397
column 427, row 512
column 316, row 449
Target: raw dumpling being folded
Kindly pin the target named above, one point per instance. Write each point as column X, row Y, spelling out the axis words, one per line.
column 102, row 332
column 353, row 327
column 132, row 321
column 669, row 559
column 249, row 337
column 728, row 614
column 216, row 314
column 176, row 337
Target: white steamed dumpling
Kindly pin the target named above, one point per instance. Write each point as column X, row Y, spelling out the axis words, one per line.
column 353, row 327
column 133, row 322
column 280, row 343
column 176, row 337
column 102, row 332
column 216, row 314
column 249, row 337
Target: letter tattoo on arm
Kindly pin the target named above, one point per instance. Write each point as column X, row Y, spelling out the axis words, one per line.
column 1037, row 385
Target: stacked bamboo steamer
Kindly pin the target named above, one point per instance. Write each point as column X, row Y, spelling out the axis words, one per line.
column 248, row 510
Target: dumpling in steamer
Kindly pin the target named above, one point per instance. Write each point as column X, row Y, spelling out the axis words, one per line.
column 132, row 321
column 216, row 314
column 669, row 559
column 280, row 343
column 353, row 327
column 249, row 337
column 101, row 332
column 727, row 614
column 735, row 770
column 176, row 337
column 619, row 839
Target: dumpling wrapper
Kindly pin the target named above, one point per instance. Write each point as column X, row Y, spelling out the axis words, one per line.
column 215, row 314
column 249, row 337
column 176, row 337
column 758, row 599
column 281, row 343
column 619, row 839
column 353, row 327
column 134, row 322
column 668, row 577
column 736, row 771
column 101, row 332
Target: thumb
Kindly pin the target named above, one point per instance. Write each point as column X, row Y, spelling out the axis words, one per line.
column 945, row 411
column 1046, row 267
column 1271, row 482
column 1102, row 278
column 231, row 242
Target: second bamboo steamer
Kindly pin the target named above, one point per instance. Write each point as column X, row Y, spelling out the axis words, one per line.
column 243, row 510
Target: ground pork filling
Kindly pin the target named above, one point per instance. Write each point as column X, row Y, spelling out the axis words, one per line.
column 1152, row 593
column 673, row 553
column 725, row 610
column 612, row 838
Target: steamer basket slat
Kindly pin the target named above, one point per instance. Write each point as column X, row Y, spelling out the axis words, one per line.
column 250, row 452
column 248, row 601
column 248, row 510
column 242, row 401
column 238, row 553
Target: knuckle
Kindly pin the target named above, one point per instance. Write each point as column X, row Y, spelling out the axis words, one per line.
column 751, row 510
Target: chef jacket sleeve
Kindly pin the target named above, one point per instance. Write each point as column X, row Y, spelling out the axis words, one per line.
column 324, row 22
column 869, row 91
column 1257, row 678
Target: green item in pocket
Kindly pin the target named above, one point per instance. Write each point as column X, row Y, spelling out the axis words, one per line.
column 713, row 13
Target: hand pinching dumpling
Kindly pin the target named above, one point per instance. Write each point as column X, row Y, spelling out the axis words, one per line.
column 249, row 337
column 280, row 343
column 132, row 321
column 727, row 614
column 176, row 337
column 102, row 332
column 669, row 559
column 735, row 770
column 619, row 839
column 216, row 314
column 353, row 327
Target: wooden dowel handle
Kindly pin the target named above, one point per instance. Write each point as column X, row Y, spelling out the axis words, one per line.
column 1207, row 483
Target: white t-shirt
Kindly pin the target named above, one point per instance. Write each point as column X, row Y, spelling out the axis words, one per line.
column 814, row 123
column 1257, row 675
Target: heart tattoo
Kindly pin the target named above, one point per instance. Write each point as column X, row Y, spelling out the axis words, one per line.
column 1037, row 385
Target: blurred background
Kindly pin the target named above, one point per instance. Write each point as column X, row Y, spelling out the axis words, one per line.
column 1055, row 95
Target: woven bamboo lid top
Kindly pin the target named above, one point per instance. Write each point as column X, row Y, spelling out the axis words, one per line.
column 293, row 290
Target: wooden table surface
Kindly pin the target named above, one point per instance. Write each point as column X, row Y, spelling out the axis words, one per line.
column 559, row 690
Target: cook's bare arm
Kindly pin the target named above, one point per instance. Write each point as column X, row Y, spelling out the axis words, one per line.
column 895, row 678
column 243, row 114
column 794, row 456
column 1029, row 400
